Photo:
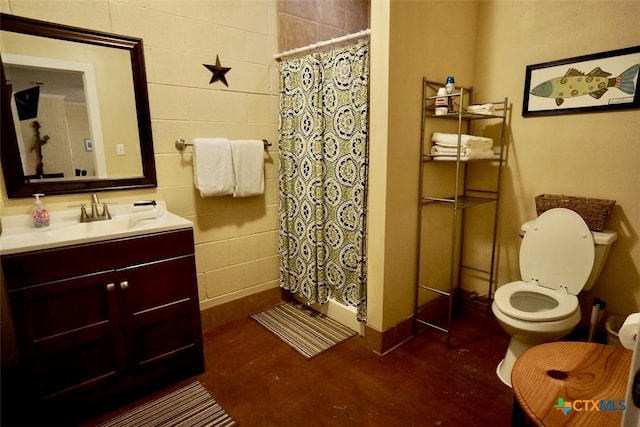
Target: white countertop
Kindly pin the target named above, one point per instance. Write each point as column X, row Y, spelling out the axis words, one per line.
column 19, row 234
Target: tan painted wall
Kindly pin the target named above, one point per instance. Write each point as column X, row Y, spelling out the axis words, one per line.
column 378, row 143
column 421, row 44
column 593, row 155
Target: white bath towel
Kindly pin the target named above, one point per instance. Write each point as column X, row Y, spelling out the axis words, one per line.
column 470, row 141
column 466, row 153
column 213, row 166
column 248, row 166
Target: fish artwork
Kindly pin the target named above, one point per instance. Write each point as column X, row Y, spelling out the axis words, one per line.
column 595, row 84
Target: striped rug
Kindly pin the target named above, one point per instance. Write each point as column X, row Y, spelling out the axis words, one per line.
column 190, row 406
column 306, row 330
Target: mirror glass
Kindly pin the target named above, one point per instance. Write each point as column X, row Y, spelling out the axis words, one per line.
column 75, row 113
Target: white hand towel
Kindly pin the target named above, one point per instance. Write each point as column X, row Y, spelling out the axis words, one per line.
column 213, row 166
column 248, row 166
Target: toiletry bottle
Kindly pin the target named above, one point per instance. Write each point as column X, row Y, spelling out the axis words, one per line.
column 441, row 102
column 450, row 86
column 40, row 212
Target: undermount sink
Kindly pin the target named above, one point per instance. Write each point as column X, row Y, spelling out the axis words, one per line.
column 19, row 234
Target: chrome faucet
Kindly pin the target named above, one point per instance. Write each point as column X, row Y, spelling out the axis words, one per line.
column 95, row 216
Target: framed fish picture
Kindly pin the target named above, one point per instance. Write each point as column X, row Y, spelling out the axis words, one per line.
column 597, row 82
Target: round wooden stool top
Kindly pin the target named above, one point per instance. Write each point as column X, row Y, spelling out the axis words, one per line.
column 572, row 383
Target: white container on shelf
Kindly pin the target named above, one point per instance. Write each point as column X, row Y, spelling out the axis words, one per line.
column 442, row 102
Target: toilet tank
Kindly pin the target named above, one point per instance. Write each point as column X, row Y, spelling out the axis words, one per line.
column 602, row 241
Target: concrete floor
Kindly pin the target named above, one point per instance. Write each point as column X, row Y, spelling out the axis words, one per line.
column 260, row 381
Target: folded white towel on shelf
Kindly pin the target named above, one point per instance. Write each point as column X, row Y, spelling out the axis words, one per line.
column 248, row 166
column 462, row 158
column 474, row 154
column 439, row 149
column 471, row 141
column 481, row 109
column 213, row 166
column 466, row 153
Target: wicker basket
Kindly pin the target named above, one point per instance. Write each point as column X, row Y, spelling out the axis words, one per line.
column 595, row 212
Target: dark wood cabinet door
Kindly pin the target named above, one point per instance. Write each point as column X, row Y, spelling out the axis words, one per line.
column 160, row 309
column 70, row 334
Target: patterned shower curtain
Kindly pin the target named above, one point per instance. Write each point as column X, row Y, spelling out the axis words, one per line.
column 323, row 137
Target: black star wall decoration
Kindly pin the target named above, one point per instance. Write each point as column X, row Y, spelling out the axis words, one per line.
column 218, row 72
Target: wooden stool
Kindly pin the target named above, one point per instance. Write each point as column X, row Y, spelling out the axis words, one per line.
column 572, row 384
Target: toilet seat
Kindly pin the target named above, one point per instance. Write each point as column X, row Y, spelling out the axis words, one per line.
column 567, row 304
column 558, row 251
column 556, row 258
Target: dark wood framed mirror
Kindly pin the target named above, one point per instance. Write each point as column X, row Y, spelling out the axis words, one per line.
column 110, row 147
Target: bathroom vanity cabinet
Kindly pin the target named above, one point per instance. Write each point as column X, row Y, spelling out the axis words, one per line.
column 453, row 190
column 98, row 323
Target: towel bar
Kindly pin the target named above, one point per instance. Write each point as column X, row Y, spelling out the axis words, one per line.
column 181, row 144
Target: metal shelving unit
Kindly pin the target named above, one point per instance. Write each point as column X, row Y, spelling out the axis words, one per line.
column 464, row 197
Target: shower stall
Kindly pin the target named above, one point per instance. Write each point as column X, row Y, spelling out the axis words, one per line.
column 323, row 149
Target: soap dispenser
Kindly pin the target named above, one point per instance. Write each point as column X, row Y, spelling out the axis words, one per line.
column 40, row 212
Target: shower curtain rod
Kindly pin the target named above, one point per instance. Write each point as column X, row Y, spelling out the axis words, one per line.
column 363, row 33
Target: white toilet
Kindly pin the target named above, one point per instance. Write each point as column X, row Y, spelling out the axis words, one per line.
column 559, row 257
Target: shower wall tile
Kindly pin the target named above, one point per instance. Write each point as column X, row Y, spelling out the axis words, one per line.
column 326, row 32
column 357, row 15
column 301, row 23
column 307, row 9
column 332, row 13
column 294, row 31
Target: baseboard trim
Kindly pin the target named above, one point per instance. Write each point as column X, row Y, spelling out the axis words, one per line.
column 388, row 340
column 219, row 315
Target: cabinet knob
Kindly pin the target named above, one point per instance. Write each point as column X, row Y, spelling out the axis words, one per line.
column 111, row 286
column 124, row 285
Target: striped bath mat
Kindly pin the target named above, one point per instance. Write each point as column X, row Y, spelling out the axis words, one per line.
column 307, row 331
column 192, row 405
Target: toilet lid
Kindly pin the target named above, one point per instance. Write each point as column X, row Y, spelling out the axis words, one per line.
column 558, row 251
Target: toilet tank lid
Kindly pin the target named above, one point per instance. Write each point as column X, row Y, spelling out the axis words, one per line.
column 604, row 237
